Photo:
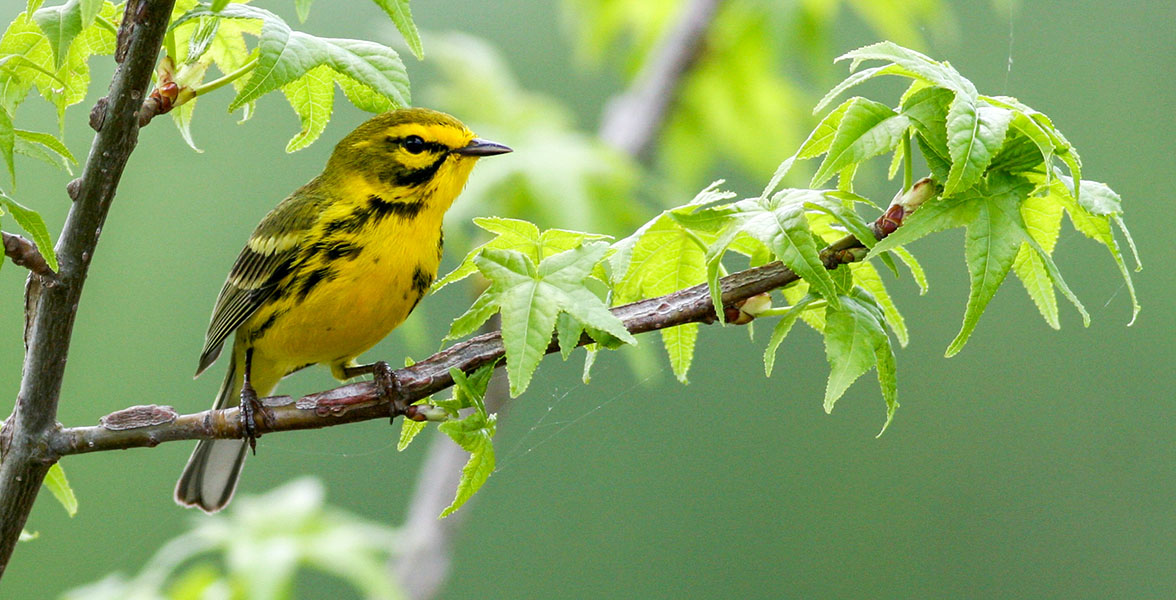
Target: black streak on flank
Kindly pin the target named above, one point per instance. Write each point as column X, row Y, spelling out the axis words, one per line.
column 421, row 281
column 260, row 331
column 314, row 278
column 343, row 250
column 440, row 244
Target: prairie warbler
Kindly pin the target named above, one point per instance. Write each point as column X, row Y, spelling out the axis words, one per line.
column 332, row 270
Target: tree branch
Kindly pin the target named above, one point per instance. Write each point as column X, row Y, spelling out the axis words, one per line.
column 27, row 432
column 147, row 426
column 25, row 254
column 633, row 119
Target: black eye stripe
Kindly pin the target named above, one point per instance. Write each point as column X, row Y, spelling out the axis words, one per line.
column 425, row 146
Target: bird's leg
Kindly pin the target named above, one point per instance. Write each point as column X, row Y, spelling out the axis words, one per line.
column 385, row 379
column 250, row 404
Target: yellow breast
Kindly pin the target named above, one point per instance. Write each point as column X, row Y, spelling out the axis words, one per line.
column 376, row 255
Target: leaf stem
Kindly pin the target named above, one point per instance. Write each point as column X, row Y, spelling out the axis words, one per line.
column 106, row 24
column 227, row 79
column 169, row 44
column 908, row 168
column 780, row 311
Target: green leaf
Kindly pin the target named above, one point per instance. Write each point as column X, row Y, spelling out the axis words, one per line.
column 915, row 268
column 975, row 132
column 1092, row 215
column 408, row 431
column 312, row 97
column 47, row 140
column 62, row 24
column 520, row 236
column 62, row 84
column 8, row 143
column 993, row 237
column 780, row 331
column 940, row 74
column 31, row 221
column 57, row 483
column 401, row 16
column 855, row 338
column 821, row 138
column 860, row 77
column 867, row 129
column 927, row 110
column 867, row 277
column 474, row 434
column 286, row 55
column 660, row 258
column 1043, row 221
column 530, row 297
column 779, row 223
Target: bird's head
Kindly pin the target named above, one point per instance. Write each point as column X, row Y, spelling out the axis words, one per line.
column 411, row 148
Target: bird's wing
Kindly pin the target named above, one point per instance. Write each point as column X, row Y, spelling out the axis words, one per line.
column 266, row 260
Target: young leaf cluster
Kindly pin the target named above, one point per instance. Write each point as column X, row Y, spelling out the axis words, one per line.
column 305, row 67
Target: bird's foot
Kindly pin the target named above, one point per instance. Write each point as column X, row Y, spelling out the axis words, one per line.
column 251, row 408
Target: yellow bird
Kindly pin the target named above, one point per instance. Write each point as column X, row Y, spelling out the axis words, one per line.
column 332, row 270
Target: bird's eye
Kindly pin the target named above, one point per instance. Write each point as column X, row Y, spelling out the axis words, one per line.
column 414, row 144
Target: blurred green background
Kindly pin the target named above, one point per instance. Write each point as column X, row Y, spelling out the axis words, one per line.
column 1034, row 464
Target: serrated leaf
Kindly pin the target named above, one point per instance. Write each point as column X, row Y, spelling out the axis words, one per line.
column 780, row 223
column 286, row 55
column 47, row 140
column 991, row 243
column 409, row 429
column 854, row 336
column 660, row 258
column 31, row 221
column 61, row 24
column 520, row 236
column 938, row 73
column 927, row 110
column 8, row 143
column 312, row 97
column 474, row 434
column 1097, row 196
column 530, row 297
column 401, row 16
column 860, row 77
column 915, row 268
column 821, row 137
column 57, row 483
column 781, row 330
column 63, row 85
column 1043, row 221
column 867, row 277
column 867, row 129
column 975, row 133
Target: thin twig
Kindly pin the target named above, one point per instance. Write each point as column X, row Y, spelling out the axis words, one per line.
column 26, row 454
column 147, row 426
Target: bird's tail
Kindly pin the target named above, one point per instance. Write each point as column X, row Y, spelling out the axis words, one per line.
column 210, row 478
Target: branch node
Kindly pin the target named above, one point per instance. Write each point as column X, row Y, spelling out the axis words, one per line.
column 144, row 415
column 25, row 254
column 74, row 189
column 98, row 114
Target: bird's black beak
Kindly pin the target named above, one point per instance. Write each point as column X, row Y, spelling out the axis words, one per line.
column 481, row 147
